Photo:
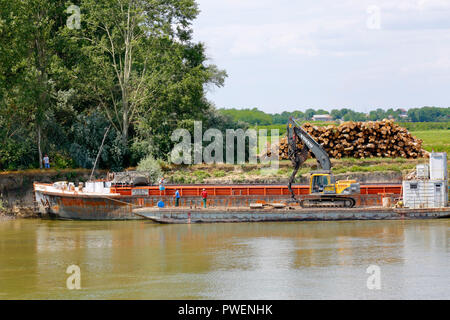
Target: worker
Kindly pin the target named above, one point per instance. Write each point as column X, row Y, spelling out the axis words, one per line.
column 177, row 198
column 46, row 161
column 204, row 197
column 161, row 184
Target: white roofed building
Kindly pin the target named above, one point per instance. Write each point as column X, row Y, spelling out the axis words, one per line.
column 322, row 117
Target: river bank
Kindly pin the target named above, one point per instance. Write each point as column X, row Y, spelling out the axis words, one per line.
column 17, row 213
column 16, row 188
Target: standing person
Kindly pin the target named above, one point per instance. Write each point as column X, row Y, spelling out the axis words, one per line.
column 204, row 197
column 161, row 185
column 46, row 161
column 177, row 198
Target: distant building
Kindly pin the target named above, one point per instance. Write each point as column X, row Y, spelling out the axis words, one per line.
column 403, row 113
column 322, row 117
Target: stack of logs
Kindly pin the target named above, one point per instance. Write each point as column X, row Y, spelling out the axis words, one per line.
column 363, row 140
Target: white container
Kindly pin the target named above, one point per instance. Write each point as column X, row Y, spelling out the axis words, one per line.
column 438, row 166
column 425, row 194
column 386, row 202
column 89, row 187
column 98, row 187
column 423, row 171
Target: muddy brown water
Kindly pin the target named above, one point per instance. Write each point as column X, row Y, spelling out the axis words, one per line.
column 299, row 260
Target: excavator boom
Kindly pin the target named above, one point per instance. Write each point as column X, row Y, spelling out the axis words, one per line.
column 295, row 130
column 327, row 190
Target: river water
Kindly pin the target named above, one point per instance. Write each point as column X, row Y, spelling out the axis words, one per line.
column 304, row 260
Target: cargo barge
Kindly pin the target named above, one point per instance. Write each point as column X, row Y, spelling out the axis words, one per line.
column 103, row 201
column 288, row 214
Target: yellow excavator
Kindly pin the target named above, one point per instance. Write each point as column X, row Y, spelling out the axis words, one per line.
column 325, row 191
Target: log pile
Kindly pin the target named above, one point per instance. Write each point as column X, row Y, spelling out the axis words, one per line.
column 363, row 140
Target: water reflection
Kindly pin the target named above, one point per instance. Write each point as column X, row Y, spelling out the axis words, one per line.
column 139, row 260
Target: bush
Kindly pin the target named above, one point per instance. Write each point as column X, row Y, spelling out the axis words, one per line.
column 88, row 132
column 60, row 160
column 219, row 174
column 165, row 166
column 151, row 168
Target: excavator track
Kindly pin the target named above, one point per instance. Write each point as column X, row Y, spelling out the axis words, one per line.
column 328, row 202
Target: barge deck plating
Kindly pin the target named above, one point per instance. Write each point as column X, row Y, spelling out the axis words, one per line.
column 217, row 215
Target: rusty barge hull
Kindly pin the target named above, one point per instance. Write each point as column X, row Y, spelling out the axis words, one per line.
column 235, row 215
column 69, row 207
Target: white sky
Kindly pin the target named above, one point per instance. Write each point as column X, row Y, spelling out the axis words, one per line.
column 286, row 55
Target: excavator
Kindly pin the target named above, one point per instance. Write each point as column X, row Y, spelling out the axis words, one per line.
column 324, row 190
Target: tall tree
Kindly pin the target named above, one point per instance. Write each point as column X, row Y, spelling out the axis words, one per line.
column 131, row 45
column 30, row 57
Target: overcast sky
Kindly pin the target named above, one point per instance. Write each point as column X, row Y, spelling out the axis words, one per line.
column 283, row 55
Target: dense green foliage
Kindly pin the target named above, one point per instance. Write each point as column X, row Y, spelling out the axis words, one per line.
column 253, row 116
column 131, row 65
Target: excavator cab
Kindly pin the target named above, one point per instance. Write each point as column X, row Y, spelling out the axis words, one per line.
column 322, row 183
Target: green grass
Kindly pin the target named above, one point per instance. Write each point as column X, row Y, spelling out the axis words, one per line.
column 439, row 140
column 219, row 174
column 424, row 126
column 374, row 168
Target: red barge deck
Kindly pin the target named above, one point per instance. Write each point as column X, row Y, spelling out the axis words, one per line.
column 250, row 190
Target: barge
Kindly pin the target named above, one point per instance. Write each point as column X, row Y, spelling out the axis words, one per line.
column 102, row 200
column 288, row 214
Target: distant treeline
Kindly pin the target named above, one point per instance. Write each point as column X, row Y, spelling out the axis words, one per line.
column 258, row 117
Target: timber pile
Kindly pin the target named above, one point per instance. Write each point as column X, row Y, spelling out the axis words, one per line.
column 363, row 140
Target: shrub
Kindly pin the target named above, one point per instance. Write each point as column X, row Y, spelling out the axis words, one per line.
column 201, row 175
column 165, row 166
column 151, row 168
column 61, row 161
column 219, row 174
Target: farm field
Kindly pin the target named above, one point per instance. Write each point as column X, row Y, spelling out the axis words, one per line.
column 439, row 140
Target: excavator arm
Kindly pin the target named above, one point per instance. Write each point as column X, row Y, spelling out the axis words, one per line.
column 297, row 156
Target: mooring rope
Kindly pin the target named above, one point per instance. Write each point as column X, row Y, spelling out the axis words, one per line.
column 127, row 203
